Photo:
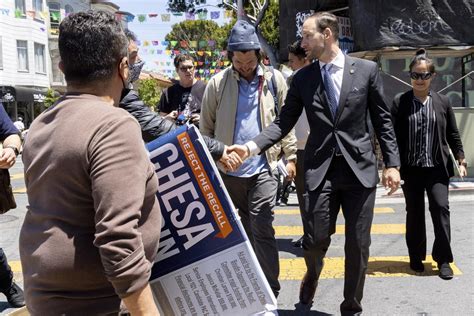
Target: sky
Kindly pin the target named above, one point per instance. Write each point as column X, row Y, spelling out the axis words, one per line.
column 152, row 29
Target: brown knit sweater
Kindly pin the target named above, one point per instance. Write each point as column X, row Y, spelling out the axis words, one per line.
column 93, row 222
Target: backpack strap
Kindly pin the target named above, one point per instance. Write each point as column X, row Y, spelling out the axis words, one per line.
column 273, row 90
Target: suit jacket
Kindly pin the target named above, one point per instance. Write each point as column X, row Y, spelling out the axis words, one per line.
column 446, row 128
column 361, row 106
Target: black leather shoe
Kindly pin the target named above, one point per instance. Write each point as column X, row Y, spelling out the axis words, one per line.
column 298, row 243
column 445, row 271
column 15, row 296
column 307, row 289
column 417, row 266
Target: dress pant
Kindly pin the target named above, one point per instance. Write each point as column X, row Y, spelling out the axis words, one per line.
column 340, row 189
column 299, row 179
column 435, row 182
column 254, row 197
column 6, row 274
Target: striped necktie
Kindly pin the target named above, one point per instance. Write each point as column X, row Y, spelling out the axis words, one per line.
column 330, row 89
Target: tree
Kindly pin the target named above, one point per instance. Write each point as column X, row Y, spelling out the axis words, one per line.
column 204, row 40
column 254, row 11
column 197, row 30
column 51, row 97
column 149, row 92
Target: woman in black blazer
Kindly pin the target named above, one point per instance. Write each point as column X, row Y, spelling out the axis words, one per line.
column 426, row 128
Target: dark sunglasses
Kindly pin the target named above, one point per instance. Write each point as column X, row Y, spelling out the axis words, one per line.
column 422, row 76
column 184, row 68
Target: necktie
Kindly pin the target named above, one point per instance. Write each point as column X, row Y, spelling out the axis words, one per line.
column 330, row 90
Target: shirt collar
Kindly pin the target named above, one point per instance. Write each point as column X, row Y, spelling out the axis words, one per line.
column 338, row 61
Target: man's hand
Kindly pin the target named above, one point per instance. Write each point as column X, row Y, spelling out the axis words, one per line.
column 291, row 169
column 195, row 118
column 462, row 168
column 230, row 159
column 7, row 158
column 391, row 179
column 172, row 116
column 241, row 150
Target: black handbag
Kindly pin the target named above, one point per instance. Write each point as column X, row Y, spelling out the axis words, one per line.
column 7, row 200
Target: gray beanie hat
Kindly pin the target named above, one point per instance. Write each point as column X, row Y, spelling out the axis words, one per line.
column 243, row 37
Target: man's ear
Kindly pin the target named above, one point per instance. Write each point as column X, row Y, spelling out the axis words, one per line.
column 124, row 68
column 327, row 33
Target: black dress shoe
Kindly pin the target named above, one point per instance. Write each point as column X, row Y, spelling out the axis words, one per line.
column 15, row 296
column 445, row 271
column 307, row 289
column 298, row 243
column 417, row 266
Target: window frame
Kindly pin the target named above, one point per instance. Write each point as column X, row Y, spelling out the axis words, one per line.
column 54, row 26
column 22, row 9
column 1, row 53
column 18, row 56
column 43, row 70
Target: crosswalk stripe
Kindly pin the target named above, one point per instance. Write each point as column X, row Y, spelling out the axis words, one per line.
column 295, row 268
column 17, row 176
column 397, row 266
column 377, row 210
column 376, row 229
column 19, row 190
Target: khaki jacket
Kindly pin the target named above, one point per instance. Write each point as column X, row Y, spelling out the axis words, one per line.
column 219, row 109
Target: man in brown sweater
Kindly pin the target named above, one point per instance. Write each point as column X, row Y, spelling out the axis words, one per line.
column 92, row 228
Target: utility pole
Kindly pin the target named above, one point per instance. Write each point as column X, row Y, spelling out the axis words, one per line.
column 240, row 10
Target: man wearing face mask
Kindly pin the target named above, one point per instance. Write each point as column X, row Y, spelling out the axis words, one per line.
column 152, row 124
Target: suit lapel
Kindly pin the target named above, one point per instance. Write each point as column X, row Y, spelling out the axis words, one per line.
column 347, row 80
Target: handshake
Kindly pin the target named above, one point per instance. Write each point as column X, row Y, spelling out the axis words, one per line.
column 234, row 156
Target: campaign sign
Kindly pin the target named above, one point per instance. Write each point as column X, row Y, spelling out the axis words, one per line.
column 205, row 264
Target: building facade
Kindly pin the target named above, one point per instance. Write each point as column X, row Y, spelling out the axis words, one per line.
column 24, row 58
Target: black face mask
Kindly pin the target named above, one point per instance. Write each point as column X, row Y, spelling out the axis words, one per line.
column 135, row 70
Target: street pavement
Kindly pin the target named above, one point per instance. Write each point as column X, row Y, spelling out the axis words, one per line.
column 391, row 288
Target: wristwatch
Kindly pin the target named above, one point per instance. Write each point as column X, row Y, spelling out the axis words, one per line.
column 15, row 150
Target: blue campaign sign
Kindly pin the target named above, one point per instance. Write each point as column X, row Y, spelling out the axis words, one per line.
column 198, row 216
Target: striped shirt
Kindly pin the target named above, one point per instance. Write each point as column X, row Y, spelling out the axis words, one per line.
column 422, row 142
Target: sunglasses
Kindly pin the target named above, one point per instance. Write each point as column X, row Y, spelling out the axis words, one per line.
column 184, row 68
column 422, row 76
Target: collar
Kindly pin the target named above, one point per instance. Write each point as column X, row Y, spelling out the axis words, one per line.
column 338, row 61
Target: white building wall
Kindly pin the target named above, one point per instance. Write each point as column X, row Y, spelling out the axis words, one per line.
column 27, row 29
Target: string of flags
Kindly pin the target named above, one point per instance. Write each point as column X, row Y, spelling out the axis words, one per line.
column 166, row 17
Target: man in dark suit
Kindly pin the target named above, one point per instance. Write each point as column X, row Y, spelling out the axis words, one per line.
column 343, row 99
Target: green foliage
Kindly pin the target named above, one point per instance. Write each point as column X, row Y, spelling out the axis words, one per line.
column 149, row 92
column 197, row 30
column 51, row 97
column 270, row 25
column 176, row 6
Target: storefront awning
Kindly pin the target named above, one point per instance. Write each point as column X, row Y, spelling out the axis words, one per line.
column 22, row 94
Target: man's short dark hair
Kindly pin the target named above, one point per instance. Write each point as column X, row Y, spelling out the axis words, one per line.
column 326, row 20
column 180, row 58
column 91, row 44
column 130, row 35
column 297, row 50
